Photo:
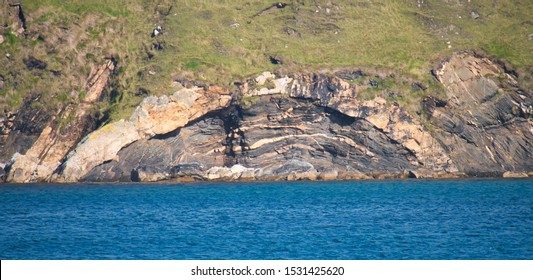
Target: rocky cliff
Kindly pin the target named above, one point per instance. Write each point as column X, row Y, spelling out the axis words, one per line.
column 304, row 126
column 485, row 123
column 47, row 152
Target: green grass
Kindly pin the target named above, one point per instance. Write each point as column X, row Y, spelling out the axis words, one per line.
column 388, row 34
column 80, row 7
column 220, row 41
column 192, row 65
column 10, row 37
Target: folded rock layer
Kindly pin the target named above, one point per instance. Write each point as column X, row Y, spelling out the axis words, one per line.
column 316, row 127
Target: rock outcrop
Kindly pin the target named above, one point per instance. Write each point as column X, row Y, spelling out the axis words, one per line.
column 484, row 125
column 389, row 119
column 185, row 152
column 154, row 116
column 12, row 16
column 55, row 141
column 314, row 127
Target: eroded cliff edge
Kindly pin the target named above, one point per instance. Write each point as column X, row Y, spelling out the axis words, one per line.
column 308, row 126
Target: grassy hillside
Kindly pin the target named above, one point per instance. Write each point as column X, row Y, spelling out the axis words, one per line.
column 220, row 41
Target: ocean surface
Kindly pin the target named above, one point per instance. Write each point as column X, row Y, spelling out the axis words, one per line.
column 418, row 219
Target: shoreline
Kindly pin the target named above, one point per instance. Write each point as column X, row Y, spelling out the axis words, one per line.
column 187, row 181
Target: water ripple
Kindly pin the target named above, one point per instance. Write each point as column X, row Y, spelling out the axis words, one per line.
column 449, row 219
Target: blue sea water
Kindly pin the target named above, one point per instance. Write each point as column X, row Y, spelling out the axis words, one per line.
column 433, row 219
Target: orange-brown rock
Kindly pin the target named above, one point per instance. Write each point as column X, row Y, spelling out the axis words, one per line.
column 154, row 116
column 55, row 141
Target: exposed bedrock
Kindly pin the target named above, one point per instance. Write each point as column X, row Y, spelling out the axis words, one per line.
column 312, row 126
column 316, row 127
column 386, row 117
column 279, row 138
column 485, row 126
column 154, row 116
column 55, row 140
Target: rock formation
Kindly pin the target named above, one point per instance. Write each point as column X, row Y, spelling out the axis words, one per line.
column 308, row 127
column 484, row 126
column 154, row 116
column 55, row 141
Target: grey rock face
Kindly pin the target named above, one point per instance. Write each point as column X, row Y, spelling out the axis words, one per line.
column 277, row 130
column 482, row 126
column 182, row 153
column 278, row 138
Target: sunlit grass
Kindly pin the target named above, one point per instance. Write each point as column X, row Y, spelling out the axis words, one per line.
column 220, row 41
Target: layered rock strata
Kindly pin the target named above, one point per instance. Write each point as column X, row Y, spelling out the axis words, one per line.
column 485, row 124
column 55, row 141
column 154, row 116
column 317, row 127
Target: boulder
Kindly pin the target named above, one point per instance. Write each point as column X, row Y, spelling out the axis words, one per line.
column 242, row 173
column 150, row 174
column 187, row 170
column 280, row 86
column 328, row 175
column 295, row 169
column 157, row 31
column 219, row 173
column 236, row 172
column 511, row 174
